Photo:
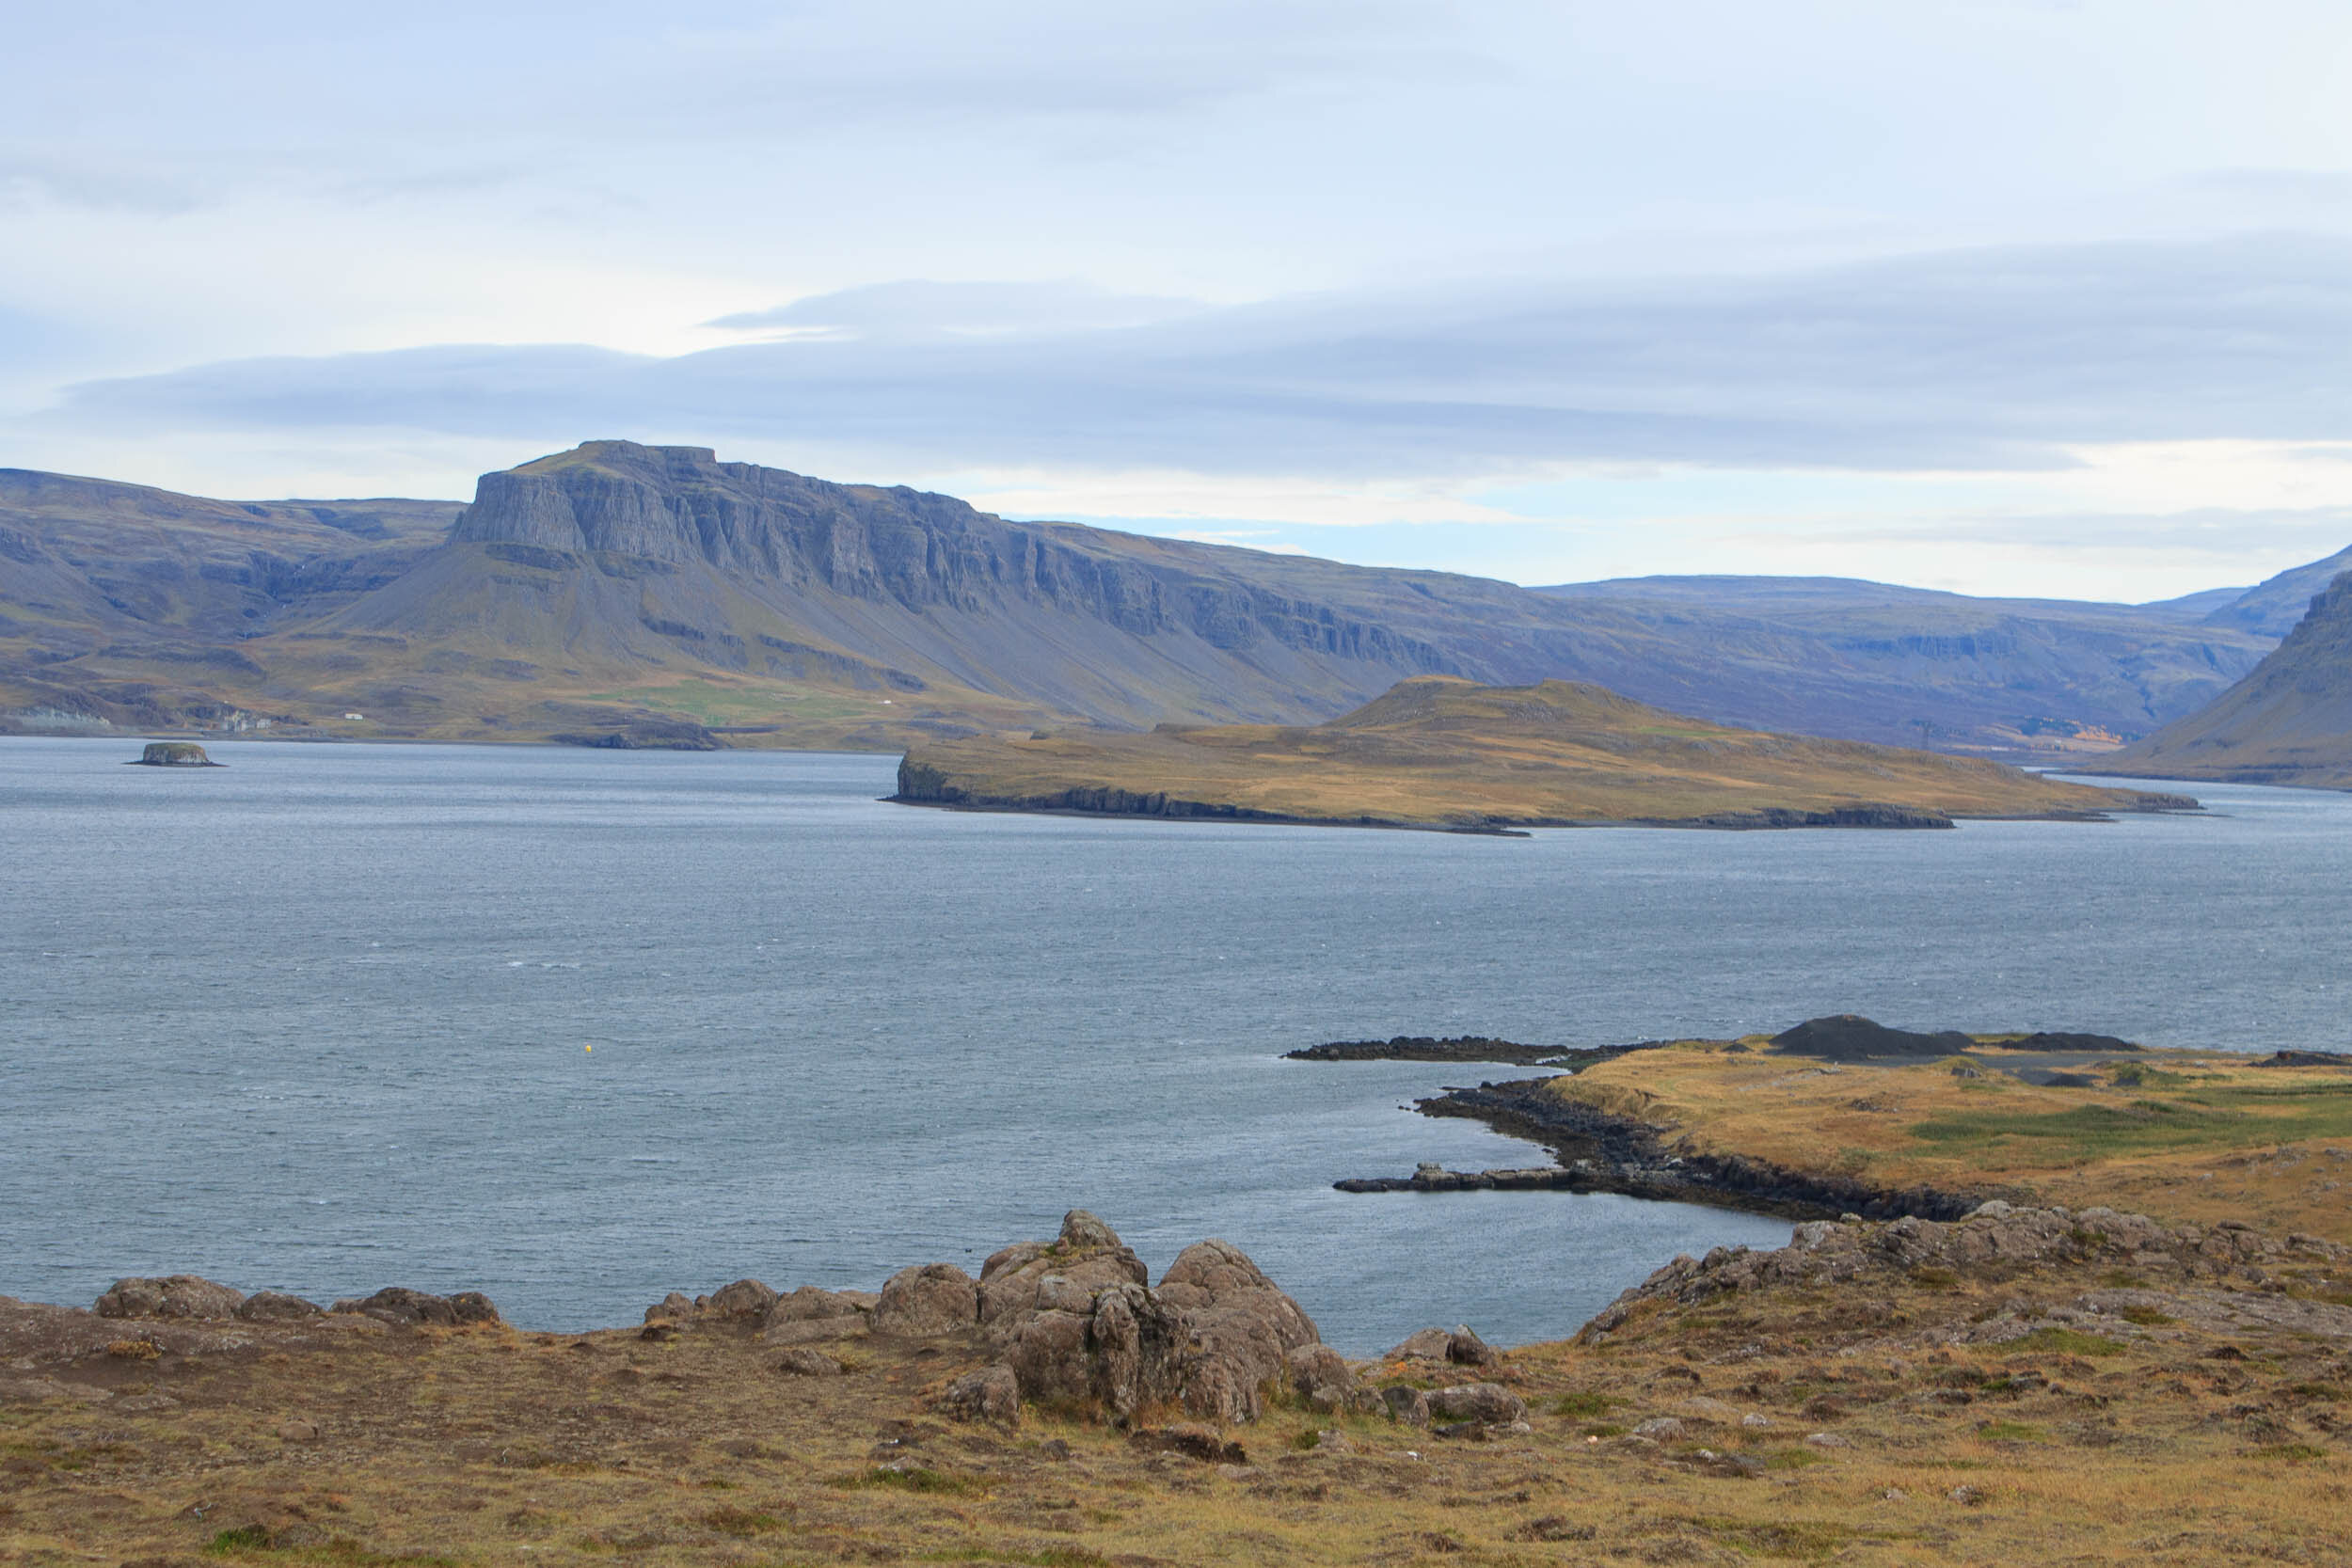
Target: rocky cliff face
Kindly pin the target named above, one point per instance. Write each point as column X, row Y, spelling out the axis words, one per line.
column 903, row 548
column 2289, row 722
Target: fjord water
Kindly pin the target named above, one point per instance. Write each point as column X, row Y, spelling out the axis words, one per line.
column 578, row 1028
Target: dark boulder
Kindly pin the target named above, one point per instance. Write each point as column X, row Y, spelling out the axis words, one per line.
column 1849, row 1037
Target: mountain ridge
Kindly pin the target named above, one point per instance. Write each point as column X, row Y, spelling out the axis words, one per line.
column 2288, row 722
column 618, row 585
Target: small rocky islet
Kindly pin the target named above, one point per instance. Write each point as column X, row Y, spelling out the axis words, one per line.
column 174, row 753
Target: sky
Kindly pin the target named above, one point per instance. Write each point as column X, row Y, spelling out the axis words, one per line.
column 2027, row 297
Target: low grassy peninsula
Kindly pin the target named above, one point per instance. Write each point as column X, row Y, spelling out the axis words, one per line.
column 2197, row 1137
column 1439, row 753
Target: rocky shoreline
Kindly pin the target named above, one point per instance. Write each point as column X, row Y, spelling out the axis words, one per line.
column 922, row 784
column 1460, row 1048
column 1601, row 1152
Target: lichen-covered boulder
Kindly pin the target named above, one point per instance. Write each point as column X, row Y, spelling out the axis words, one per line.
column 178, row 1295
column 1488, row 1404
column 1078, row 1324
column 1428, row 1344
column 992, row 1394
column 744, row 1300
column 1063, row 1275
column 1322, row 1377
column 928, row 1301
column 397, row 1304
column 276, row 1307
column 1240, row 1329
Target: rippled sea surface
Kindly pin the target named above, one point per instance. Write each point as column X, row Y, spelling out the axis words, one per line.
column 578, row 1028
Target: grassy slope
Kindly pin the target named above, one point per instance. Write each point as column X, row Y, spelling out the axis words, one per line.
column 1435, row 751
column 2290, row 722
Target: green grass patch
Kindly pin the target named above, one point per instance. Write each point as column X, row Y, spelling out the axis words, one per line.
column 1582, row 1404
column 2066, row 1341
column 1792, row 1459
column 238, row 1540
column 742, row 1523
column 2291, row 1453
column 2140, row 1075
column 916, row 1477
column 2147, row 1317
column 2010, row 1432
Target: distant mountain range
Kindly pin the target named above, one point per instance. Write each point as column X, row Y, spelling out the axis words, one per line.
column 628, row 594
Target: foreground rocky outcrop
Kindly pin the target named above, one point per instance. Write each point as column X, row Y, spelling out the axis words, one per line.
column 2025, row 1384
column 1996, row 1243
column 1072, row 1325
column 1076, row 1325
column 190, row 1297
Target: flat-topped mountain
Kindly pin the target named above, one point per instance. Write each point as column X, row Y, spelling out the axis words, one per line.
column 1441, row 753
column 2289, row 722
column 620, row 591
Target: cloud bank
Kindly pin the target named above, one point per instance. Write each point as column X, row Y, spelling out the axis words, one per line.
column 1993, row 359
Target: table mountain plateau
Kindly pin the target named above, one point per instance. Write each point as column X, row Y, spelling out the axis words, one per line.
column 2288, row 722
column 631, row 594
